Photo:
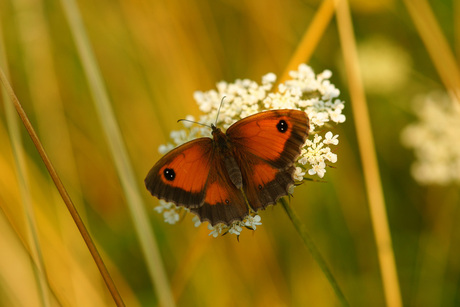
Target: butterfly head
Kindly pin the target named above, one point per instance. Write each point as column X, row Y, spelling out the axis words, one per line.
column 217, row 133
column 214, row 129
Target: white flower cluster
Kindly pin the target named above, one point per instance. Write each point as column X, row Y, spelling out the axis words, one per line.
column 169, row 210
column 435, row 140
column 251, row 221
column 305, row 91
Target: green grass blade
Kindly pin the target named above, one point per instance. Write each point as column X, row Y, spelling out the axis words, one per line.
column 119, row 155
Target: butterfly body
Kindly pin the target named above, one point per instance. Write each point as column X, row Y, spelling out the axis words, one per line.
column 249, row 165
column 224, row 147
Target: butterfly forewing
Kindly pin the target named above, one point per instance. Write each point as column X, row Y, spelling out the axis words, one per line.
column 274, row 136
column 266, row 146
column 181, row 175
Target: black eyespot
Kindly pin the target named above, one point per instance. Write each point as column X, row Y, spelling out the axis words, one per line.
column 260, row 187
column 227, row 201
column 282, row 126
column 169, row 174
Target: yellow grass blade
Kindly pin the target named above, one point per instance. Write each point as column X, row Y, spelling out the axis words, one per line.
column 436, row 45
column 311, row 37
column 369, row 158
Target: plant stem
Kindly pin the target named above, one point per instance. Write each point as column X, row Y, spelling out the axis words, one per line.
column 302, row 230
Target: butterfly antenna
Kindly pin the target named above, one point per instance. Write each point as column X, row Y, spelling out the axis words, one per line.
column 218, row 111
column 194, row 122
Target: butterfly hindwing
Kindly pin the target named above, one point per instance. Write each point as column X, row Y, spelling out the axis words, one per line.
column 263, row 183
column 223, row 203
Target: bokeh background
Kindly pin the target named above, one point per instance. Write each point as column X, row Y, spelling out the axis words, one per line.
column 152, row 56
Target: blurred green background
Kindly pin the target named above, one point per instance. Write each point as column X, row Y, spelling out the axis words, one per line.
column 152, row 56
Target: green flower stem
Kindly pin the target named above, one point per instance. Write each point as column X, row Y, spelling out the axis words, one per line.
column 302, row 230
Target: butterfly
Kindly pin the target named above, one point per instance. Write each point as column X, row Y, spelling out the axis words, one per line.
column 222, row 178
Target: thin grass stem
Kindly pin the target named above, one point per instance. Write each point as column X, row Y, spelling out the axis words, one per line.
column 63, row 192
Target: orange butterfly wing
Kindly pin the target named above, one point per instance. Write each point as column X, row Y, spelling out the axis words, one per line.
column 193, row 175
column 181, row 175
column 265, row 146
column 223, row 202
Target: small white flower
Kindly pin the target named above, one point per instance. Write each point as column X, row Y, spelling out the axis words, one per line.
column 269, row 78
column 319, row 119
column 317, row 139
column 318, row 169
column 235, row 229
column 337, row 105
column 299, row 174
column 196, row 221
column 179, row 136
column 216, row 230
column 163, row 149
column 331, row 139
column 327, row 74
column 163, row 206
column 282, row 88
column 253, row 221
column 332, row 157
column 171, row 216
column 337, row 116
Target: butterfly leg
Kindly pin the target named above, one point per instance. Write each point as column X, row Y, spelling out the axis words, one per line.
column 251, row 210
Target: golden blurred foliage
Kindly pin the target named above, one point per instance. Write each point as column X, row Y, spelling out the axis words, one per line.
column 144, row 61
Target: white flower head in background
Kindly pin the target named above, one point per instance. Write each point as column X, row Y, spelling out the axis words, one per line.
column 435, row 140
column 313, row 94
